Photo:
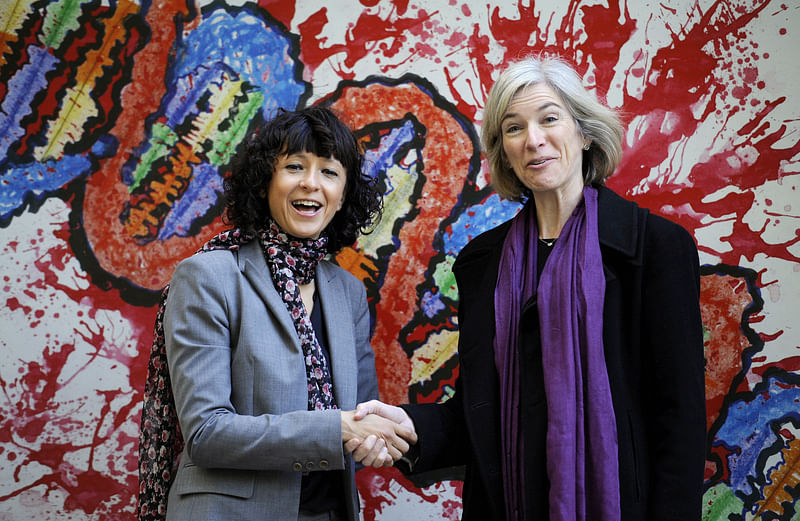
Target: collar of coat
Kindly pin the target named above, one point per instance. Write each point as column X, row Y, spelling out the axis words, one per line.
column 621, row 226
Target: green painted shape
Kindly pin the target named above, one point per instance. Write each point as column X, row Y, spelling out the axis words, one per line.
column 226, row 141
column 719, row 502
column 162, row 139
column 445, row 280
column 61, row 18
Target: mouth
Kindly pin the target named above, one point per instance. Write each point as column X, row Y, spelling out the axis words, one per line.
column 539, row 162
column 306, row 206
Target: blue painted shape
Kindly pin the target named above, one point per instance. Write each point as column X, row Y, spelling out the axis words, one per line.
column 431, row 303
column 28, row 81
column 201, row 194
column 475, row 220
column 185, row 97
column 746, row 432
column 37, row 181
column 252, row 50
column 33, row 182
column 383, row 158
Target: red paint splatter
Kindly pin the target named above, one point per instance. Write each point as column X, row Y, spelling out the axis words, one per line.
column 369, row 28
column 374, row 483
column 281, row 10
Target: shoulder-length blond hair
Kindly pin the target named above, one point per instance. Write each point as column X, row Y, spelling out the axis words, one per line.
column 596, row 122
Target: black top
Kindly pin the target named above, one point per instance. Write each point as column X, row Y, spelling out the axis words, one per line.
column 321, row 491
column 533, row 401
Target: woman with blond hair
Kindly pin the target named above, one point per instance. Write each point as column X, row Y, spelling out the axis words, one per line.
column 581, row 390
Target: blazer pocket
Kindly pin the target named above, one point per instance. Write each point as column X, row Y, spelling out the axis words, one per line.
column 198, row 480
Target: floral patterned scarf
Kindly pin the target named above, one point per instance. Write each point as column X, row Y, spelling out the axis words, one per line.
column 293, row 262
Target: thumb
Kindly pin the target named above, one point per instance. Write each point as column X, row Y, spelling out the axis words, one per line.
column 365, row 408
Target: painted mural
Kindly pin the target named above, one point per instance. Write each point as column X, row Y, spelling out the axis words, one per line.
column 117, row 120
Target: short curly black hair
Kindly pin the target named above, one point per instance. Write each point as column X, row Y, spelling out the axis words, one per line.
column 316, row 130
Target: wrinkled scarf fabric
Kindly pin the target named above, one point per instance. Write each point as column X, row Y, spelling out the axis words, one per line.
column 160, row 438
column 581, row 444
column 293, row 262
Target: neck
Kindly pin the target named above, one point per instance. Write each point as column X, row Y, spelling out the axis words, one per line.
column 307, row 295
column 553, row 209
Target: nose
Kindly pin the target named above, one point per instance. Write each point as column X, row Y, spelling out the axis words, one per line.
column 535, row 137
column 310, row 181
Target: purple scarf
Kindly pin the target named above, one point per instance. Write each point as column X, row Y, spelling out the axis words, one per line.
column 582, row 463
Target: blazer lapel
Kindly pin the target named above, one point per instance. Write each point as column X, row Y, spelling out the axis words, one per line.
column 336, row 311
column 254, row 268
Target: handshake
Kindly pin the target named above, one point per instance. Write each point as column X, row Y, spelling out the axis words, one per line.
column 377, row 434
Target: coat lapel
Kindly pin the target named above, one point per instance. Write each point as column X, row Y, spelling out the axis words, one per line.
column 254, row 268
column 619, row 225
column 336, row 311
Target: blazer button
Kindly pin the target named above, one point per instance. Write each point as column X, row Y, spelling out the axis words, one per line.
column 310, row 465
column 323, row 464
column 297, row 466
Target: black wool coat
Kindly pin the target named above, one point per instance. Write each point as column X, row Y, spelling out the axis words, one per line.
column 653, row 342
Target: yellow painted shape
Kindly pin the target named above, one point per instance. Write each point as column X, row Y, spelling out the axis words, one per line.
column 79, row 104
column 440, row 347
column 220, row 104
column 11, row 19
column 396, row 206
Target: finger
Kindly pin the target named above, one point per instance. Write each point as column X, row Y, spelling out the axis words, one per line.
column 399, row 443
column 387, row 459
column 408, row 434
column 351, row 445
column 372, row 458
column 365, row 448
column 394, row 452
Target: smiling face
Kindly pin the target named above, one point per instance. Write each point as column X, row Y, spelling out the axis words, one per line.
column 305, row 192
column 542, row 141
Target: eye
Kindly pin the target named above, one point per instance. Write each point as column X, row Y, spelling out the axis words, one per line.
column 294, row 166
column 550, row 118
column 330, row 173
column 511, row 128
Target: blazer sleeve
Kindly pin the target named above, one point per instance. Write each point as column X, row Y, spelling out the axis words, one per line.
column 200, row 325
column 672, row 333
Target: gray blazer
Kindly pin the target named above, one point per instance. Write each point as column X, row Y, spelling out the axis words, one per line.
column 239, row 382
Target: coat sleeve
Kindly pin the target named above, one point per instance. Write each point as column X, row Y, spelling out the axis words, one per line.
column 200, row 324
column 440, row 430
column 672, row 338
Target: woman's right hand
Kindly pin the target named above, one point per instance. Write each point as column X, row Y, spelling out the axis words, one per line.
column 375, row 440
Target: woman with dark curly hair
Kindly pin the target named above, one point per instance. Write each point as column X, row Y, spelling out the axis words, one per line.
column 268, row 344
